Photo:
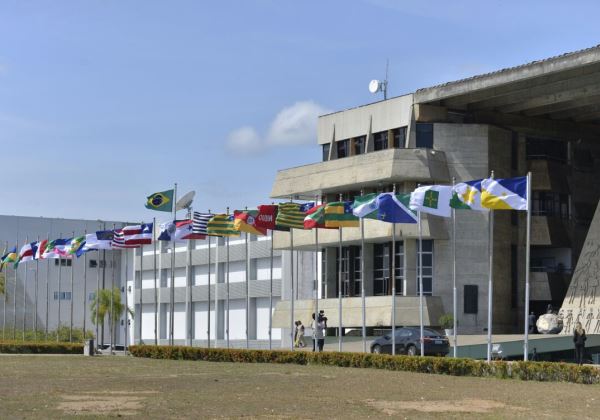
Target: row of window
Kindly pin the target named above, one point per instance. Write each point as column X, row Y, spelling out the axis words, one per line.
column 91, row 263
column 547, row 203
column 382, row 141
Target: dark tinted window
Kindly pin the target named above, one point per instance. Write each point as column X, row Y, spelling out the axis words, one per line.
column 359, row 145
column 342, row 148
column 326, row 152
column 470, row 294
column 380, row 140
column 399, row 137
column 537, row 148
column 424, row 135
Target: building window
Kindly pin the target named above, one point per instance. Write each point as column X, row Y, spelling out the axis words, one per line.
column 382, row 268
column 546, row 149
column 63, row 262
column 342, row 148
column 471, row 293
column 380, row 140
column 359, row 145
column 63, row 295
column 424, row 133
column 350, row 270
column 547, row 203
column 93, row 264
column 427, row 267
column 399, row 137
column 326, row 152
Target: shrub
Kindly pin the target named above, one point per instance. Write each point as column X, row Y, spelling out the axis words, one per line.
column 20, row 347
column 446, row 321
column 528, row 371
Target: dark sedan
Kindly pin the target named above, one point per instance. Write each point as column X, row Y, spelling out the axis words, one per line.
column 408, row 342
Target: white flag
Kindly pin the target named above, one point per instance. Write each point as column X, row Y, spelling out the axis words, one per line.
column 432, row 199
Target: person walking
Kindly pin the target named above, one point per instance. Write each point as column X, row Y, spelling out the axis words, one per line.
column 299, row 335
column 579, row 340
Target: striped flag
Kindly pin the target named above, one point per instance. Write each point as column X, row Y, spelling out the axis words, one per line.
column 200, row 222
column 179, row 230
column 222, row 225
column 132, row 236
column 292, row 214
column 27, row 252
column 339, row 214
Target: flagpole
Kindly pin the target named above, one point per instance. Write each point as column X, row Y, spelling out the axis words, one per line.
column 227, row 290
column 527, row 257
column 340, row 328
column 15, row 296
column 188, row 276
column 37, row 266
column 71, row 301
column 394, row 283
column 208, row 306
column 98, row 266
column 421, row 284
column 155, row 284
column 490, row 281
column 112, row 287
column 316, row 320
column 4, row 306
column 292, row 324
column 47, row 289
column 454, row 293
column 24, row 291
column 363, row 278
column 141, row 289
column 126, row 338
column 271, row 296
column 85, row 267
column 172, row 308
column 59, row 292
column 247, row 292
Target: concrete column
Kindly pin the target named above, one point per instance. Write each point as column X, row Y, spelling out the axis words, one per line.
column 369, row 249
column 331, row 273
column 410, row 266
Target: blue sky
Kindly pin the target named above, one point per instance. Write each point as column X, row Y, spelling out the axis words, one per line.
column 103, row 102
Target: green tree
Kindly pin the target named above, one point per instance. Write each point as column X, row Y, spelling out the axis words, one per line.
column 101, row 308
column 2, row 283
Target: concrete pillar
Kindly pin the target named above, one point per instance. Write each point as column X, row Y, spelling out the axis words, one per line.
column 410, row 266
column 368, row 262
column 331, row 273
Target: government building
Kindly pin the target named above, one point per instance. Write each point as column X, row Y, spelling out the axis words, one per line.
column 542, row 117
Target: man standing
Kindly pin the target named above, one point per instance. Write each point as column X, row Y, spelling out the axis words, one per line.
column 318, row 331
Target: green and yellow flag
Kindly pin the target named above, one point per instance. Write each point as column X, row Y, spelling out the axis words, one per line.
column 222, row 225
column 339, row 214
column 160, row 201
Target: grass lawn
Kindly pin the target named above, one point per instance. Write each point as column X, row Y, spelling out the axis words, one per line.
column 60, row 386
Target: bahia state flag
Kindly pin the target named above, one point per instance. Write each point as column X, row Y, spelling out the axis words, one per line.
column 432, row 199
column 160, row 201
column 291, row 215
column 222, row 225
column 245, row 221
column 339, row 214
column 467, row 196
column 504, row 194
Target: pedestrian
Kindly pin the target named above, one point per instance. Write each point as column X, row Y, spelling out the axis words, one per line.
column 531, row 323
column 579, row 340
column 299, row 335
column 318, row 330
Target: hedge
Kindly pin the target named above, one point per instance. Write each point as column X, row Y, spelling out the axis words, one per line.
column 528, row 371
column 20, row 347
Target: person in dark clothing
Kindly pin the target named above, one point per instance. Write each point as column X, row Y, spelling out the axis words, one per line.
column 579, row 340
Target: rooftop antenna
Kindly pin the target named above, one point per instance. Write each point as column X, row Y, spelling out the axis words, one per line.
column 185, row 202
column 380, row 85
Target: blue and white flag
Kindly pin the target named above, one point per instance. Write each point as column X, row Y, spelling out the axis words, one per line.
column 504, row 194
column 102, row 239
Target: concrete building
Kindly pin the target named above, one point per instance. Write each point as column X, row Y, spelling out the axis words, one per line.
column 541, row 117
column 25, row 300
column 193, row 295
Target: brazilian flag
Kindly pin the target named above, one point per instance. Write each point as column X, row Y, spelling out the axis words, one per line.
column 161, row 201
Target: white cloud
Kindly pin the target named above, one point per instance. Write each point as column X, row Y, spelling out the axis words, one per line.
column 293, row 125
column 244, row 140
column 296, row 124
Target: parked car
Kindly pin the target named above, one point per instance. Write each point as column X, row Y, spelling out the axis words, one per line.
column 408, row 342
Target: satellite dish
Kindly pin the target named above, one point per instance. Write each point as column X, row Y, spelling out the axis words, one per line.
column 374, row 86
column 185, row 202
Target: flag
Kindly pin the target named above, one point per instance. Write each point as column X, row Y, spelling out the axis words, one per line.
column 39, row 252
column 161, row 201
column 4, row 255
column 291, row 215
column 62, row 248
column 266, row 216
column 245, row 221
column 315, row 217
column 102, row 239
column 432, row 199
column 393, row 208
column 27, row 253
column 132, row 236
column 50, row 250
column 339, row 214
column 364, row 205
column 179, row 230
column 75, row 246
column 10, row 257
column 222, row 225
column 504, row 194
column 467, row 196
column 200, row 222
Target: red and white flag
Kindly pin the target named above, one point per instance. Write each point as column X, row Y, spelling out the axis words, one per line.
column 132, row 236
column 28, row 252
column 179, row 230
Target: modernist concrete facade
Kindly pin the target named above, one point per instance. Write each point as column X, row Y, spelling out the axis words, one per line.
column 104, row 268
column 540, row 117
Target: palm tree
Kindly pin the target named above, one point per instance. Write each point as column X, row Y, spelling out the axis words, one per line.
column 101, row 305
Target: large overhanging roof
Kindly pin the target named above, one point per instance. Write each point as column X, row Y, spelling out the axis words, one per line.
column 561, row 88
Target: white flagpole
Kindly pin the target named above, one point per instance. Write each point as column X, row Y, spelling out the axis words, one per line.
column 35, row 315
column 188, row 276
column 422, row 329
column 71, row 301
column 47, row 292
column 527, row 257
column 454, row 293
column 15, row 295
column 490, row 282
column 85, row 267
column 208, row 305
column 24, row 292
column 247, row 294
column 59, row 292
column 172, row 300
column 271, row 296
column 112, row 287
column 4, row 306
column 316, row 280
column 227, row 289
column 340, row 317
column 292, row 324
column 140, row 341
column 362, row 283
column 126, row 299
column 394, row 283
column 155, row 283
